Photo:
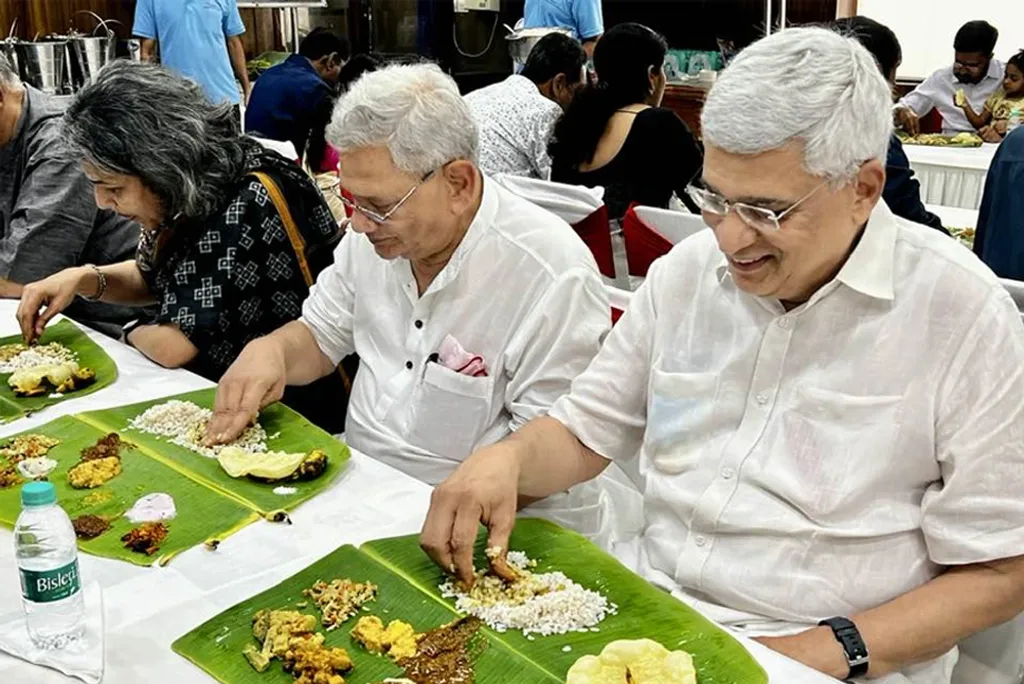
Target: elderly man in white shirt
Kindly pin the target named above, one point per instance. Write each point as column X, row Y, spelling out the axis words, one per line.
column 517, row 116
column 438, row 256
column 827, row 402
column 975, row 71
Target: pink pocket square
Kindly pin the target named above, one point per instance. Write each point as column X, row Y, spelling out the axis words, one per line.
column 454, row 357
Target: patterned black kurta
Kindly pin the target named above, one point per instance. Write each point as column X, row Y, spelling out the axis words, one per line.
column 234, row 276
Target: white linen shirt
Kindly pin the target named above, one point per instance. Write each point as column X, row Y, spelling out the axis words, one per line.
column 521, row 290
column 820, row 462
column 939, row 89
column 516, row 122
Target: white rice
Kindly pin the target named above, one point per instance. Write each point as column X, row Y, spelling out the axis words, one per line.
column 548, row 603
column 42, row 355
column 285, row 491
column 184, row 423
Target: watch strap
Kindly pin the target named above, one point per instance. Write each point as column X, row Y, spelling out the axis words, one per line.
column 849, row 638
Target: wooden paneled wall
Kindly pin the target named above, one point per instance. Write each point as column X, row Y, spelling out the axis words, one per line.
column 40, row 17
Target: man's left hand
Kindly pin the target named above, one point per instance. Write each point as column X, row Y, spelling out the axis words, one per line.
column 816, row 648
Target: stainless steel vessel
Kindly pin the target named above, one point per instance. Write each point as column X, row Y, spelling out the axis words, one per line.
column 42, row 65
column 87, row 55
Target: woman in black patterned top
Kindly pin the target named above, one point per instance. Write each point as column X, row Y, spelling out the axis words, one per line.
column 215, row 257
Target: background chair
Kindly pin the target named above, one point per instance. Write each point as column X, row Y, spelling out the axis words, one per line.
column 581, row 207
column 675, row 226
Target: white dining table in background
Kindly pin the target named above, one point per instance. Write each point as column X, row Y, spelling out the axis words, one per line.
column 147, row 609
column 951, row 176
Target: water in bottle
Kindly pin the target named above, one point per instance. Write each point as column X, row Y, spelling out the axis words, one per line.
column 44, row 544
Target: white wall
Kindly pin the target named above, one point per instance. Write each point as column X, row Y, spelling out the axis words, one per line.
column 926, row 28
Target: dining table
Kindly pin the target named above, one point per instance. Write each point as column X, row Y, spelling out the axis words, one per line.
column 951, row 176
column 145, row 609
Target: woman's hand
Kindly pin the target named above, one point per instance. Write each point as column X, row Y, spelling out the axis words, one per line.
column 41, row 301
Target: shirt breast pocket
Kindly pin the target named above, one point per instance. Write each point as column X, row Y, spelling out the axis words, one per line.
column 450, row 412
column 679, row 414
column 833, row 445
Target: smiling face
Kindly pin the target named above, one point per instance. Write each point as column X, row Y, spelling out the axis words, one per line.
column 429, row 223
column 125, row 195
column 815, row 239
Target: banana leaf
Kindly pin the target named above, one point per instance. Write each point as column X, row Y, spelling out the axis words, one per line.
column 201, row 515
column 210, row 504
column 288, row 431
column 90, row 355
column 408, row 583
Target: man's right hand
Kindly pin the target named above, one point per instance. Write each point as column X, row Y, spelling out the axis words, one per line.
column 908, row 120
column 42, row 300
column 482, row 490
column 255, row 380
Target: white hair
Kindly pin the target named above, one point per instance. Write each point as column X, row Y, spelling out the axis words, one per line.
column 809, row 85
column 415, row 111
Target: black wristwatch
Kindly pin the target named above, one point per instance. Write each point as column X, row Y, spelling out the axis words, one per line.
column 848, row 635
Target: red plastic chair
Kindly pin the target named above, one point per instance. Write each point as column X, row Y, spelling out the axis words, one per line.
column 932, row 122
column 594, row 231
column 643, row 243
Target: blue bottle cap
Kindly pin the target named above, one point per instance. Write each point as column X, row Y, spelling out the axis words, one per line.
column 38, row 494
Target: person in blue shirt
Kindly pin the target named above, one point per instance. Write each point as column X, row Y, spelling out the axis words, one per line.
column 293, row 100
column 999, row 239
column 584, row 17
column 198, row 39
column 902, row 191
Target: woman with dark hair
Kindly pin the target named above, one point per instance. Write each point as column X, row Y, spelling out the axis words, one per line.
column 231, row 233
column 616, row 135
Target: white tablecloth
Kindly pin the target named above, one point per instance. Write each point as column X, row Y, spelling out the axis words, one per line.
column 951, row 176
column 955, row 217
column 146, row 609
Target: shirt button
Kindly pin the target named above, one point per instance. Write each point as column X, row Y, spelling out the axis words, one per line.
column 700, row 540
column 408, row 364
column 761, row 398
column 728, row 473
column 419, row 324
column 785, row 323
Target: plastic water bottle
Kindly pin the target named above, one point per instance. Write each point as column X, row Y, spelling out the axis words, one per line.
column 1014, row 121
column 44, row 544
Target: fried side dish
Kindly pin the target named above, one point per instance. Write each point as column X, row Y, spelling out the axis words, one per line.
column 274, row 630
column 398, row 640
column 90, row 526
column 340, row 600
column 9, row 476
column 641, row 661
column 92, row 474
column 107, row 447
column 27, row 446
column 145, row 538
column 446, row 654
column 289, row 636
column 310, row 662
column 9, row 351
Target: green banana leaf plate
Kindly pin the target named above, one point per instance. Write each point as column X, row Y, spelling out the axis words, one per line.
column 90, row 355
column 407, row 581
column 210, row 505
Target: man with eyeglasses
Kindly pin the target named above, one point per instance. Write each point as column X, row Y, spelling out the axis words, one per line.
column 975, row 73
column 826, row 401
column 471, row 309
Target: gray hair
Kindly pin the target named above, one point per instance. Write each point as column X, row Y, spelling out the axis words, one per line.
column 414, row 110
column 8, row 74
column 142, row 120
column 809, row 85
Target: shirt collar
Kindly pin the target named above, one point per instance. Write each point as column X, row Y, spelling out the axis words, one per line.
column 481, row 223
column 996, row 69
column 869, row 269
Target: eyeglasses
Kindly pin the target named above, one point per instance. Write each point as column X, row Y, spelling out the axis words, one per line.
column 758, row 218
column 375, row 216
